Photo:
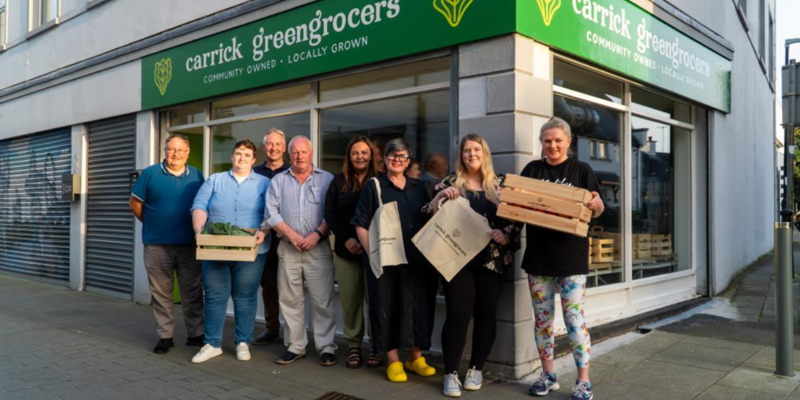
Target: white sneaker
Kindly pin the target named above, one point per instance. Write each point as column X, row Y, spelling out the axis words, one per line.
column 242, row 352
column 451, row 386
column 206, row 353
column 474, row 379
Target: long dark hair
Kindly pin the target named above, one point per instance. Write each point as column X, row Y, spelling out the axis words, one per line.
column 351, row 182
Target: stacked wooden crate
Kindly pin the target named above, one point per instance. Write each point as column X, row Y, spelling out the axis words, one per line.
column 601, row 253
column 548, row 205
column 661, row 245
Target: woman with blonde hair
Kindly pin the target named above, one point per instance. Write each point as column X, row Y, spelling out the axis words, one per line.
column 473, row 293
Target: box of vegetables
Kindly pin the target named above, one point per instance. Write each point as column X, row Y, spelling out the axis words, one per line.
column 225, row 242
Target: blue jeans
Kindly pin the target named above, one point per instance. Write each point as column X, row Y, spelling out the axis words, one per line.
column 223, row 280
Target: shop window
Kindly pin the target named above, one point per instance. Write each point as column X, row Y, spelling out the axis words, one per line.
column 660, row 176
column 599, row 135
column 387, row 79
column 187, row 115
column 648, row 102
column 262, row 102
column 581, row 80
column 224, row 136
column 42, row 12
column 423, row 120
column 195, row 136
column 2, row 23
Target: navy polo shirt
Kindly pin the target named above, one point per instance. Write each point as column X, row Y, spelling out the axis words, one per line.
column 167, row 199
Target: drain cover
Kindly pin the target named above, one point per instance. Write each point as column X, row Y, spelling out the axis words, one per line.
column 336, row 396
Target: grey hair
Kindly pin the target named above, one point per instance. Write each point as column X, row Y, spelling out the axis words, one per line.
column 555, row 123
column 273, row 130
column 396, row 145
column 296, row 138
column 176, row 136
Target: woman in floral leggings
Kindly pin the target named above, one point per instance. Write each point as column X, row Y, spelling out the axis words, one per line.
column 557, row 262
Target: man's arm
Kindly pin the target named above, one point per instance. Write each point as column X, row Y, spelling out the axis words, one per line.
column 137, row 206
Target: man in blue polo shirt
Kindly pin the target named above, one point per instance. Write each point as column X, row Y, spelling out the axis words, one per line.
column 161, row 199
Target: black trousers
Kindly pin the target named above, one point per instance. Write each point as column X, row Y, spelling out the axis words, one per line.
column 471, row 294
column 269, row 287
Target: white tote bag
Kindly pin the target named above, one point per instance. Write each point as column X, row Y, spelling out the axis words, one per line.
column 453, row 237
column 385, row 236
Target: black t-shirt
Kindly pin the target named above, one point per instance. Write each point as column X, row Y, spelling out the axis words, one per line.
column 549, row 252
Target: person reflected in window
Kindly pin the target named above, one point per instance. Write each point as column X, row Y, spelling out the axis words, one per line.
column 414, row 170
column 557, row 262
column 349, row 263
column 473, row 292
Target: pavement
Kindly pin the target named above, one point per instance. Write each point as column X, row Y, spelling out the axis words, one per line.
column 56, row 343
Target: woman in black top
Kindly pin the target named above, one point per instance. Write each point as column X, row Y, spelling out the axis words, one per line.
column 402, row 302
column 558, row 262
column 340, row 205
column 474, row 291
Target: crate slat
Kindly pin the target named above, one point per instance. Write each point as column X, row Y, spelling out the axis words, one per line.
column 555, row 190
column 538, row 218
column 547, row 203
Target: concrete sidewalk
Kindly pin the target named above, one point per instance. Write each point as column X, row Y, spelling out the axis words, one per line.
column 59, row 344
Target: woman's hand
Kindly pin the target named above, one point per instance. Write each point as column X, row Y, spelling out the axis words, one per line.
column 596, row 205
column 353, row 246
column 450, row 193
column 260, row 236
column 499, row 237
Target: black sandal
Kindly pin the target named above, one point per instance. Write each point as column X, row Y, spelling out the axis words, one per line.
column 354, row 358
column 374, row 360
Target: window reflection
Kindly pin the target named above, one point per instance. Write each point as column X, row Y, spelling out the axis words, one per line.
column 596, row 133
column 387, row 79
column 422, row 120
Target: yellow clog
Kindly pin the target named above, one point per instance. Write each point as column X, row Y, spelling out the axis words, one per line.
column 420, row 367
column 395, row 372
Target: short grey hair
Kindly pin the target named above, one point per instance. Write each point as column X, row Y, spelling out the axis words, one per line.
column 273, row 130
column 176, row 136
column 555, row 123
column 396, row 145
column 296, row 138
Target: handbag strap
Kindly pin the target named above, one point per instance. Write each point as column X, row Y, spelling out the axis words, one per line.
column 378, row 189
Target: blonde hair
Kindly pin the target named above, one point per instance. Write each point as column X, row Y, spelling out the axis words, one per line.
column 488, row 178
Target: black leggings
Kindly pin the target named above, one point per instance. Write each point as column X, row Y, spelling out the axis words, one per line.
column 472, row 293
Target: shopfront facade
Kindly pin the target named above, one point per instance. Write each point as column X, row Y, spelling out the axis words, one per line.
column 656, row 105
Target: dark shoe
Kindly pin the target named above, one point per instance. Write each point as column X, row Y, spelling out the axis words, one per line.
column 374, row 360
column 288, row 357
column 327, row 359
column 163, row 346
column 266, row 337
column 197, row 341
column 353, row 358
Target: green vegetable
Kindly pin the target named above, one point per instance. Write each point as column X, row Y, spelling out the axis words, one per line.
column 226, row 229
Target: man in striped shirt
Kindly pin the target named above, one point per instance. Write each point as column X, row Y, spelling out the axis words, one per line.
column 295, row 210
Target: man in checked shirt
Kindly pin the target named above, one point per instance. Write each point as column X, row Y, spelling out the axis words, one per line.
column 295, row 210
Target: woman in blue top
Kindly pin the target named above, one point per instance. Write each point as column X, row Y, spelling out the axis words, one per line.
column 238, row 197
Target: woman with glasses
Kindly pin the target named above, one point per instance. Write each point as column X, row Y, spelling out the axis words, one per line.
column 403, row 305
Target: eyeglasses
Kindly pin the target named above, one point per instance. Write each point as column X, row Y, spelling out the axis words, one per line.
column 176, row 151
column 398, row 157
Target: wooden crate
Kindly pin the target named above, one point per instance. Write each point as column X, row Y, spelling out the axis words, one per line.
column 548, row 205
column 661, row 245
column 601, row 250
column 236, row 248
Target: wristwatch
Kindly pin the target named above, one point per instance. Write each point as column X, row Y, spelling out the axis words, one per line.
column 318, row 232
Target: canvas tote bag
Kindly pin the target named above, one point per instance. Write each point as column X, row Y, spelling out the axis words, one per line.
column 385, row 236
column 453, row 237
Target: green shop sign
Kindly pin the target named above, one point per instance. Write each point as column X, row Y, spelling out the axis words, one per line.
column 323, row 36
column 621, row 36
column 329, row 35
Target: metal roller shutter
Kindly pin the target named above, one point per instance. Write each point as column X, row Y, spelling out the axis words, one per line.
column 34, row 221
column 110, row 228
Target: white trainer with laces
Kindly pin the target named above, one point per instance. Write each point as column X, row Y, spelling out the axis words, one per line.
column 474, row 379
column 242, row 352
column 452, row 386
column 206, row 353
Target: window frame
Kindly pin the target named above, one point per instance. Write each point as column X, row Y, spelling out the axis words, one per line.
column 3, row 24
column 35, row 14
column 629, row 112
